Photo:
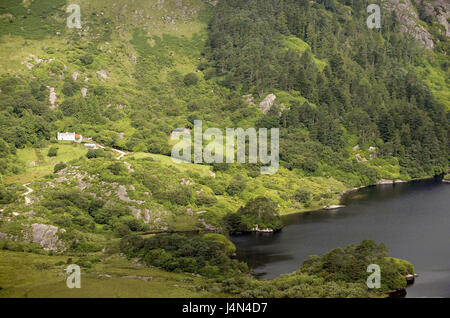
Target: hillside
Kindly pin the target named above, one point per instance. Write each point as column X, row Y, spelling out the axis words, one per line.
column 355, row 107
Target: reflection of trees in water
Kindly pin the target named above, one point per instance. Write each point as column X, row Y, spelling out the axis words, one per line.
column 388, row 191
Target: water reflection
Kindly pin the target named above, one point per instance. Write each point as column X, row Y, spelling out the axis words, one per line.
column 411, row 219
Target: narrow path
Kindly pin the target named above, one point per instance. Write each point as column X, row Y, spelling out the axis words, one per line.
column 25, row 195
column 120, row 152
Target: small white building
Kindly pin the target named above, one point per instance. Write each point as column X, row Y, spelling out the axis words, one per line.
column 69, row 137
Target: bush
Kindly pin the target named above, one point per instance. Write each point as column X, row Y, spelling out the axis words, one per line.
column 122, row 229
column 87, row 59
column 204, row 199
column 6, row 196
column 59, row 166
column 97, row 153
column 302, row 196
column 190, row 79
column 52, row 152
column 208, row 255
column 236, row 185
column 261, row 212
column 182, row 195
column 116, row 168
column 70, row 87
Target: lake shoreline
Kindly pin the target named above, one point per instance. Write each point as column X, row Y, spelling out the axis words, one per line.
column 381, row 182
column 408, row 219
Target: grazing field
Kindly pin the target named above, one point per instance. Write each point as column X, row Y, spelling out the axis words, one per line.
column 32, row 275
column 38, row 164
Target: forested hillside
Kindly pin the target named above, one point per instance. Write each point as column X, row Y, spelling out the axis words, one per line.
column 368, row 91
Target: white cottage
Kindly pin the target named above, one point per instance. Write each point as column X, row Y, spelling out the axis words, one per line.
column 69, row 137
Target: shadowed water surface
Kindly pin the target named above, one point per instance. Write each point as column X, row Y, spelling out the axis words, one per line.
column 411, row 219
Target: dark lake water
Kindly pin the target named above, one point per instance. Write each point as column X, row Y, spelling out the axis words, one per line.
column 412, row 219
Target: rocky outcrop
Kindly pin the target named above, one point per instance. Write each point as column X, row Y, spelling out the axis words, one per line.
column 333, row 207
column 249, row 99
column 103, row 74
column 388, row 181
column 267, row 103
column 385, row 181
column 407, row 13
column 258, row 230
column 439, row 9
column 47, row 237
column 212, row 2
column 408, row 18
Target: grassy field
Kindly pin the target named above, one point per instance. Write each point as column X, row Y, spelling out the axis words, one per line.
column 165, row 160
column 38, row 164
column 32, row 275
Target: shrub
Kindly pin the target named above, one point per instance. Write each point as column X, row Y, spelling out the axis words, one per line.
column 302, row 196
column 190, row 79
column 208, row 255
column 52, row 152
column 59, row 166
column 261, row 212
column 122, row 229
column 182, row 195
column 116, row 168
column 70, row 87
column 205, row 199
column 6, row 196
column 236, row 185
column 87, row 59
column 97, row 153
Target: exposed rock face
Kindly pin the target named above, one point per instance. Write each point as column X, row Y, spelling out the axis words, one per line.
column 132, row 57
column 408, row 18
column 122, row 193
column 267, row 103
column 103, row 74
column 46, row 236
column 385, row 181
column 212, row 2
column 439, row 9
column 186, row 182
column 257, row 229
column 249, row 99
column 407, row 13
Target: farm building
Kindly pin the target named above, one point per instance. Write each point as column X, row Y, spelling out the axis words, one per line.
column 69, row 137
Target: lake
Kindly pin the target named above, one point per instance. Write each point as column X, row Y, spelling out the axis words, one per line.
column 412, row 219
